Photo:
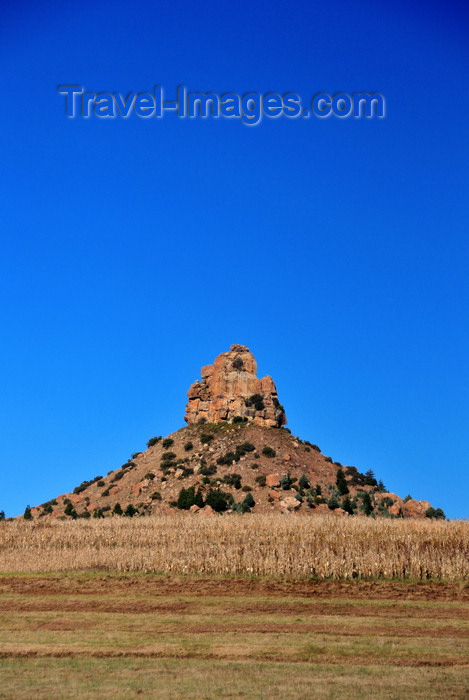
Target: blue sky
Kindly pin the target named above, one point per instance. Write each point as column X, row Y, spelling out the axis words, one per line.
column 133, row 251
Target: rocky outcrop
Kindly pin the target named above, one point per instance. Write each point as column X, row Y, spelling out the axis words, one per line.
column 230, row 389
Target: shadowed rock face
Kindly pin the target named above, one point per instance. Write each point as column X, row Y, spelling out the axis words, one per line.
column 226, row 389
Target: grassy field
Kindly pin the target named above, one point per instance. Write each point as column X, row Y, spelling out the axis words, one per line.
column 98, row 634
column 297, row 546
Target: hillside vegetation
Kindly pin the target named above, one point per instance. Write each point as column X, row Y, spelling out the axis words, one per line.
column 227, row 467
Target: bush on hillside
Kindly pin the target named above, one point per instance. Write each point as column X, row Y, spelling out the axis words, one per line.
column 269, row 452
column 435, row 513
column 218, row 500
column 152, row 441
column 341, row 482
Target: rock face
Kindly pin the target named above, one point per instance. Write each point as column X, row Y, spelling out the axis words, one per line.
column 230, row 389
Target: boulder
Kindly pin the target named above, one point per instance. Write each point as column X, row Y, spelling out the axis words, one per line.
column 272, row 480
column 415, row 509
column 207, row 510
column 289, row 503
column 137, row 488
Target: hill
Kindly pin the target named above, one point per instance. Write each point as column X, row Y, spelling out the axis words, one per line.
column 235, row 455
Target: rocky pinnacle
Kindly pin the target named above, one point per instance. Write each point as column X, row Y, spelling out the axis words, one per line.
column 230, row 389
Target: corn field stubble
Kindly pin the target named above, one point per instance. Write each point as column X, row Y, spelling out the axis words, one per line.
column 293, row 546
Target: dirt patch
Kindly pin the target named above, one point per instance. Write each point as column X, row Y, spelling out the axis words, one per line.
column 116, row 585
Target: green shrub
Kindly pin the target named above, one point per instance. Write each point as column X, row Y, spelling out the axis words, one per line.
column 408, row 498
column 328, row 459
column 186, row 471
column 286, row 482
column 167, row 442
column 386, row 502
column 249, row 500
column 149, row 475
column 85, row 484
column 435, row 513
column 228, row 459
column 153, row 441
column 117, row 510
column 52, row 502
column 240, row 419
column 189, row 497
column 118, row 476
column 168, row 456
column 218, row 500
column 261, row 480
column 188, row 446
column 341, row 482
column 70, row 510
column 245, row 505
column 314, row 447
column 269, row 452
column 304, row 482
column 233, row 480
column 130, row 511
column 256, row 401
column 156, row 496
column 245, row 447
column 208, row 471
column 254, row 466
column 2, row 515
column 98, row 513
column 367, row 505
column 370, row 478
column 333, row 503
column 347, row 505
column 246, row 488
column 27, row 513
column 205, row 438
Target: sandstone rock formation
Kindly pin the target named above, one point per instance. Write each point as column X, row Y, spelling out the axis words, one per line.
column 230, row 389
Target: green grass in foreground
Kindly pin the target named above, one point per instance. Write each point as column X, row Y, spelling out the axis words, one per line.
column 202, row 678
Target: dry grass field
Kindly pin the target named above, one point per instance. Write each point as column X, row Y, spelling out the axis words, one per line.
column 295, row 546
column 252, row 606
